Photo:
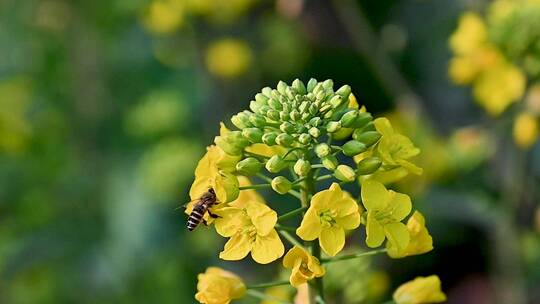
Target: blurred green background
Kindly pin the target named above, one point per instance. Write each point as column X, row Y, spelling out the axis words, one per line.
column 106, row 107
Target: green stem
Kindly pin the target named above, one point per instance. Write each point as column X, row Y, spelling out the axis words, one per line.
column 261, row 295
column 295, row 193
column 323, row 177
column 291, row 239
column 353, row 256
column 298, row 180
column 315, row 166
column 285, row 228
column 266, row 285
column 258, row 186
column 290, row 214
column 264, row 177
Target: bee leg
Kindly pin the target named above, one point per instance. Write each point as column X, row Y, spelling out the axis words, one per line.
column 213, row 215
column 204, row 222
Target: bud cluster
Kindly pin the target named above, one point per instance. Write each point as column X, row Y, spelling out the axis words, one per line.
column 302, row 119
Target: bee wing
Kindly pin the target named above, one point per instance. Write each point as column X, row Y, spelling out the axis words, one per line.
column 185, row 205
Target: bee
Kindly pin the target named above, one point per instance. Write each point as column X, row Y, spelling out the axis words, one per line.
column 207, row 200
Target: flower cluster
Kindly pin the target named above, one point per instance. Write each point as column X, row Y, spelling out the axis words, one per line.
column 498, row 55
column 306, row 142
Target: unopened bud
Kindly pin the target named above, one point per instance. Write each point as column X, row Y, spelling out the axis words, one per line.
column 275, row 164
column 299, row 87
column 353, row 147
column 287, row 127
column 315, row 121
column 273, row 114
column 344, row 92
column 322, row 150
column 302, row 167
column 330, row 162
column 248, row 166
column 261, row 98
column 295, row 115
column 311, row 84
column 369, row 138
column 254, row 135
column 281, row 184
column 333, row 126
column 240, row 121
column 345, row 173
column 314, row 131
column 232, row 143
column 257, row 120
column 269, row 138
column 347, row 120
column 275, row 104
column 282, row 87
column 368, row 165
column 284, row 139
column 304, row 138
column 336, row 101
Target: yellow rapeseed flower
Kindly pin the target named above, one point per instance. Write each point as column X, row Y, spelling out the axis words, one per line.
column 164, row 16
column 420, row 240
column 420, row 291
column 525, row 130
column 470, row 34
column 304, row 266
column 218, row 286
column 228, row 58
column 330, row 213
column 251, row 229
column 385, row 211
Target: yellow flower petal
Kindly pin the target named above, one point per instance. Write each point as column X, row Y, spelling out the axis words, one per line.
column 419, row 291
column 310, row 228
column 332, row 240
column 374, row 231
column 267, row 248
column 383, row 126
column 262, row 217
column 231, row 220
column 374, row 195
column 351, row 221
column 400, row 204
column 420, row 240
column 397, row 234
column 237, row 248
column 218, row 286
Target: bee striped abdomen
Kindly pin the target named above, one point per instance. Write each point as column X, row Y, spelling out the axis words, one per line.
column 196, row 216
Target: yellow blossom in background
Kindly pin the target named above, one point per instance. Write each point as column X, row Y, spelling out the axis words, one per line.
column 419, row 291
column 228, row 58
column 499, row 87
column 470, row 34
column 251, row 229
column 385, row 211
column 218, row 286
column 525, row 130
column 330, row 213
column 420, row 240
column 277, row 294
column 15, row 127
column 164, row 16
column 304, row 266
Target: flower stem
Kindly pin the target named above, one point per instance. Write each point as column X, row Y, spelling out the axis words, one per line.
column 260, row 295
column 285, row 228
column 291, row 239
column 258, row 186
column 291, row 214
column 353, row 256
column 294, row 193
column 323, row 177
column 269, row 284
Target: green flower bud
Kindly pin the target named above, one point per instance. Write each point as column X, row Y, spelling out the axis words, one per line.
column 261, row 98
column 362, row 120
column 257, row 120
column 322, row 150
column 314, row 131
column 254, row 135
column 304, row 107
column 369, row 138
column 311, row 84
column 368, row 165
column 249, row 166
column 273, row 114
column 353, row 147
column 330, row 162
column 370, row 126
column 275, row 94
column 344, row 92
column 281, row 184
column 336, row 101
column 315, row 121
column 282, row 87
column 295, row 115
column 275, row 104
column 287, row 127
column 348, row 119
column 313, row 109
column 325, row 108
column 255, row 106
column 283, row 115
column 299, row 87
column 275, row 164
column 240, row 121
column 233, row 143
column 305, row 116
column 345, row 173
column 304, row 138
column 333, row 126
column 328, row 84
column 267, row 91
column 302, row 167
column 269, row 138
column 284, row 139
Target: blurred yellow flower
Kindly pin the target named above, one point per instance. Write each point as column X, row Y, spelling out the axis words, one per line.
column 15, row 127
column 470, row 34
column 420, row 240
column 251, row 229
column 330, row 213
column 218, row 286
column 385, row 211
column 304, row 266
column 277, row 294
column 164, row 16
column 498, row 87
column 214, row 171
column 228, row 58
column 525, row 130
column 419, row 291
